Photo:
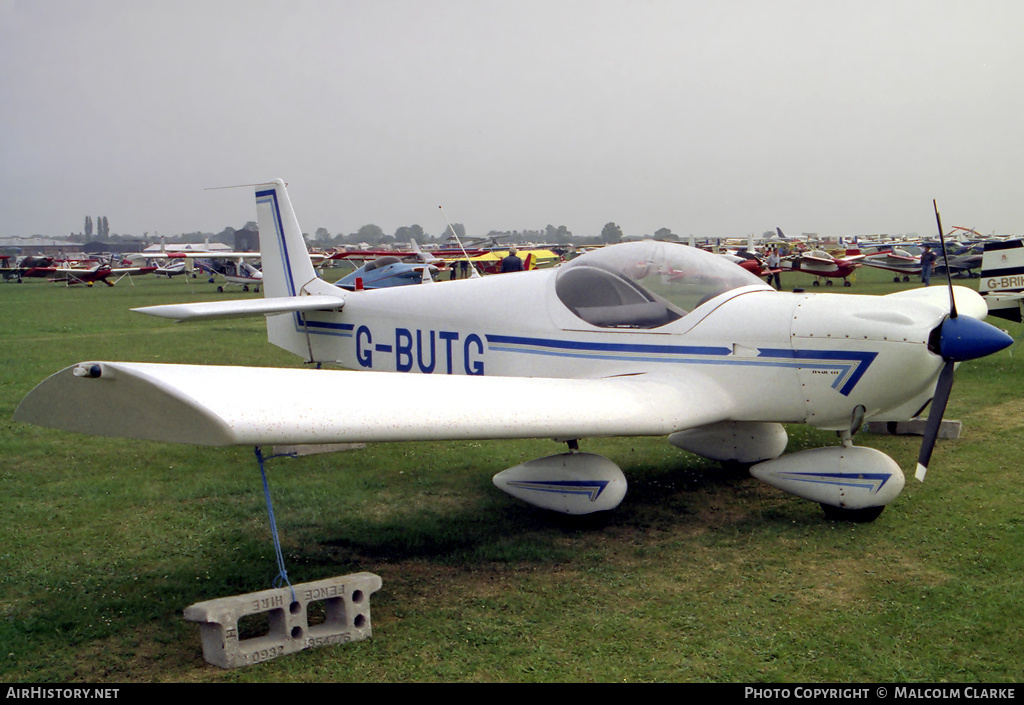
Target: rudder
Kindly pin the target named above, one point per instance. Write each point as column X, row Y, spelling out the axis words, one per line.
column 287, row 268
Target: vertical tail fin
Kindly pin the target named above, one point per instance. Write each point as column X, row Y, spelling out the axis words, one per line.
column 287, row 268
column 1002, row 279
column 1002, row 266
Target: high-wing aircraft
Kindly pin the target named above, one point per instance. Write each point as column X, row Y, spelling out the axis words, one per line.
column 233, row 270
column 636, row 339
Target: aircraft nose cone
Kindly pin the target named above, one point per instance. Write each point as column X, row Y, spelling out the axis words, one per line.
column 966, row 338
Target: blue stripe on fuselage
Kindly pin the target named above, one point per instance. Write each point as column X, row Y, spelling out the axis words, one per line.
column 850, row 365
column 270, row 197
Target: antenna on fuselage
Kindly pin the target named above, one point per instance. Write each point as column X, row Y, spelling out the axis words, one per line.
column 475, row 274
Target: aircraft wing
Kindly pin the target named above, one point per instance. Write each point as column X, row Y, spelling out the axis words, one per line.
column 815, row 258
column 198, row 405
column 121, row 271
column 244, row 307
column 213, row 254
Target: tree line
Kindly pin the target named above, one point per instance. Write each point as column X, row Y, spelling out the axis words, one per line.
column 374, row 235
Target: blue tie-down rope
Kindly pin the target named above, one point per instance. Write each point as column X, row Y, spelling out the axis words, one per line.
column 282, row 576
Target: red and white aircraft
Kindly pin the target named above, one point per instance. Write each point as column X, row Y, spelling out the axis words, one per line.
column 100, row 272
column 823, row 265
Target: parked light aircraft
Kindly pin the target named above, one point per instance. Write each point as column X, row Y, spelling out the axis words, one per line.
column 490, row 262
column 413, row 254
column 905, row 262
column 173, row 268
column 749, row 261
column 962, row 258
column 895, row 259
column 23, row 266
column 384, row 272
column 99, row 272
column 232, row 267
column 233, row 270
column 823, row 266
column 636, row 339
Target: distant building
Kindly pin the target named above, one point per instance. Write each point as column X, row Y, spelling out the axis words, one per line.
column 99, row 248
column 187, row 247
column 45, row 246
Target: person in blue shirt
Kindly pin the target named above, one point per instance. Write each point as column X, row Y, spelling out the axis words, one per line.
column 511, row 263
column 927, row 262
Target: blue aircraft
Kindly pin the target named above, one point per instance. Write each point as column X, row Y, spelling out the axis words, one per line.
column 384, row 272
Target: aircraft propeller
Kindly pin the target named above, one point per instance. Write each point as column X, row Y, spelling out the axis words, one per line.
column 955, row 339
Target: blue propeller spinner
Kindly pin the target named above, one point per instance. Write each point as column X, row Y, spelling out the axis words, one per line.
column 956, row 339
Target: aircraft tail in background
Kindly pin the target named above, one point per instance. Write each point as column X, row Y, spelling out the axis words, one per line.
column 1002, row 279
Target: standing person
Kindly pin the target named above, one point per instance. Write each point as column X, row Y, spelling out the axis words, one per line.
column 927, row 262
column 773, row 263
column 511, row 263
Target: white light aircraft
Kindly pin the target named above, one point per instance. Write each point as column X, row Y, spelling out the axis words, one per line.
column 638, row 339
column 231, row 266
column 233, row 270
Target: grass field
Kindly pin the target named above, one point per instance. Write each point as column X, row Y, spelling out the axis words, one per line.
column 700, row 575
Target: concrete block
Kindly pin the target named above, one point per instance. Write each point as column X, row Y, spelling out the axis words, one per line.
column 915, row 427
column 323, row 613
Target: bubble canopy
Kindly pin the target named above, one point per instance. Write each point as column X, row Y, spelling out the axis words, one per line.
column 645, row 284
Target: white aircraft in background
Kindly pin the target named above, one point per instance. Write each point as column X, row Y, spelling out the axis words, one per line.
column 638, row 339
column 232, row 267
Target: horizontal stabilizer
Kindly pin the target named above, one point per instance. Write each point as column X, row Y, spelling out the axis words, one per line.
column 244, row 307
column 196, row 405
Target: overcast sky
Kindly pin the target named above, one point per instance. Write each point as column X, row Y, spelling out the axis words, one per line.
column 717, row 118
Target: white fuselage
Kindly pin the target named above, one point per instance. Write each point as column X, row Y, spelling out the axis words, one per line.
column 780, row 356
